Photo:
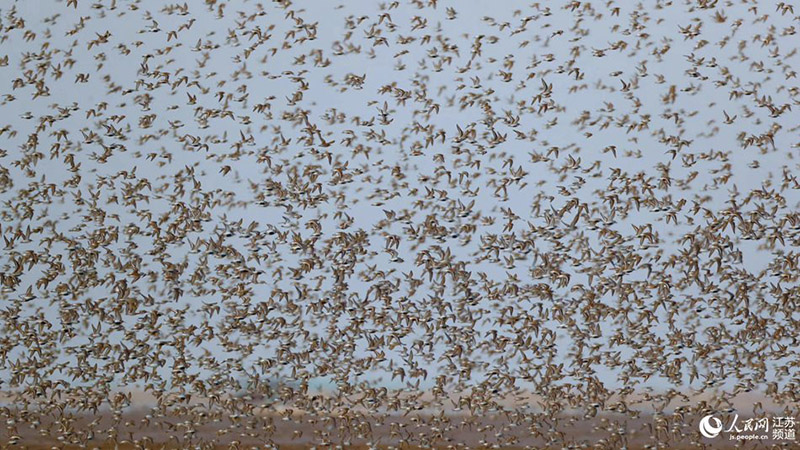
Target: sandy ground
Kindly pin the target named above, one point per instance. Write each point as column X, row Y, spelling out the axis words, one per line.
column 603, row 431
column 417, row 430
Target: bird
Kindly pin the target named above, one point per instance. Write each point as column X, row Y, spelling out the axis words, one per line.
column 396, row 224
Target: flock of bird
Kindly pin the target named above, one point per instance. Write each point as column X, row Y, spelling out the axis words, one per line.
column 410, row 223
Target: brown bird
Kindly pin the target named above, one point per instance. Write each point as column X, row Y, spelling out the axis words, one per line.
column 400, row 224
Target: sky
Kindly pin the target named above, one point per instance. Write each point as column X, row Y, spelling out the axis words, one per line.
column 156, row 120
